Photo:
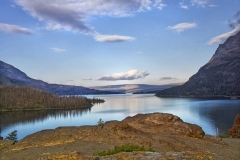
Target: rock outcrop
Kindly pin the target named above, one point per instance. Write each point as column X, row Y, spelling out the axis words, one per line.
column 164, row 124
column 220, row 77
column 167, row 134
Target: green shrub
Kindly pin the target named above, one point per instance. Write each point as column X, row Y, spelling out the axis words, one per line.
column 12, row 136
column 123, row 148
column 101, row 123
column 225, row 136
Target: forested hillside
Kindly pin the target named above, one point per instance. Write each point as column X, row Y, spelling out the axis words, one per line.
column 18, row 98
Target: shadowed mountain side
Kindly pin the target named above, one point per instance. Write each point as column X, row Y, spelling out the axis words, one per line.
column 220, row 77
column 10, row 75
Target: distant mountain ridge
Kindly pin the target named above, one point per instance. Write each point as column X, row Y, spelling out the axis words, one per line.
column 10, row 75
column 134, row 88
column 219, row 77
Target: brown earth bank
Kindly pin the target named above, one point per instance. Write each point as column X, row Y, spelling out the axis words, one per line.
column 167, row 134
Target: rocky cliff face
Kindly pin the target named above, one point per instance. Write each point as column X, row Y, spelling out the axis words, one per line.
column 219, row 77
column 10, row 75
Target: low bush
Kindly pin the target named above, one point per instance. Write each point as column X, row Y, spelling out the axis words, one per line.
column 124, row 148
column 225, row 136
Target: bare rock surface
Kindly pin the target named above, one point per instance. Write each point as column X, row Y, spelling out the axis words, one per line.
column 167, row 134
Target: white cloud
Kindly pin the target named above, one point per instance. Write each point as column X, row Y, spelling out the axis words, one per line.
column 221, row 38
column 212, row 5
column 58, row 50
column 87, row 79
column 73, row 15
column 159, row 4
column 182, row 27
column 113, row 38
column 167, row 78
column 200, row 2
column 14, row 29
column 130, row 75
column 183, row 6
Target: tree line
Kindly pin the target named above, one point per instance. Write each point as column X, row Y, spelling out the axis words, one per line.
column 20, row 98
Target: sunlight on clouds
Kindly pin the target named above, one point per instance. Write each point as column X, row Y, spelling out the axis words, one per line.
column 113, row 38
column 130, row 75
column 58, row 50
column 14, row 29
column 182, row 27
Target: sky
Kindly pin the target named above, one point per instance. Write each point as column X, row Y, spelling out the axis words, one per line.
column 110, row 42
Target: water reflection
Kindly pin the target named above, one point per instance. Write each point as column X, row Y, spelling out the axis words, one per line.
column 220, row 113
column 209, row 114
column 8, row 119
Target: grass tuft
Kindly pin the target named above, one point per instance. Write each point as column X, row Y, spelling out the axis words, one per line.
column 225, row 136
column 123, row 148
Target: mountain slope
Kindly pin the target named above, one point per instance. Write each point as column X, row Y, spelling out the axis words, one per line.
column 219, row 77
column 10, row 75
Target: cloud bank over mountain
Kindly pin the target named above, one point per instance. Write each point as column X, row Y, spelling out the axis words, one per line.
column 130, row 75
column 233, row 23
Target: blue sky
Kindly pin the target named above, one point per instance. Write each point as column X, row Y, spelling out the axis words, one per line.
column 107, row 42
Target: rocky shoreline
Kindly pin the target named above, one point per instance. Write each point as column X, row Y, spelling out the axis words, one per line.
column 167, row 134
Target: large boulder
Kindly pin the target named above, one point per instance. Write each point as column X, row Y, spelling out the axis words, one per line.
column 164, row 123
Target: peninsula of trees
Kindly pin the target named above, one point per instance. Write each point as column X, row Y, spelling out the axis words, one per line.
column 24, row 98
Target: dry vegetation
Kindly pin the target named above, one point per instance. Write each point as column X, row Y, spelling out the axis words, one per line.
column 235, row 130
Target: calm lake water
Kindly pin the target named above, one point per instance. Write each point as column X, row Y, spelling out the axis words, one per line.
column 209, row 114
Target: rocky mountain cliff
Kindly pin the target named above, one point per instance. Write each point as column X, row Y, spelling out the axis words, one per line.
column 220, row 77
column 10, row 75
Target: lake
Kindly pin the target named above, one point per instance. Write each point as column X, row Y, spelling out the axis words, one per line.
column 209, row 114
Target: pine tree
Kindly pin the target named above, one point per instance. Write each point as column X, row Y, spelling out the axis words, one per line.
column 12, row 136
column 101, row 123
column 1, row 138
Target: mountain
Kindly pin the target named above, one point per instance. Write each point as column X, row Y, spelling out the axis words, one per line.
column 10, row 75
column 134, row 88
column 220, row 77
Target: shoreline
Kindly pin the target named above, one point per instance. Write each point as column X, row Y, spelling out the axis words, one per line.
column 208, row 97
column 167, row 134
column 39, row 109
